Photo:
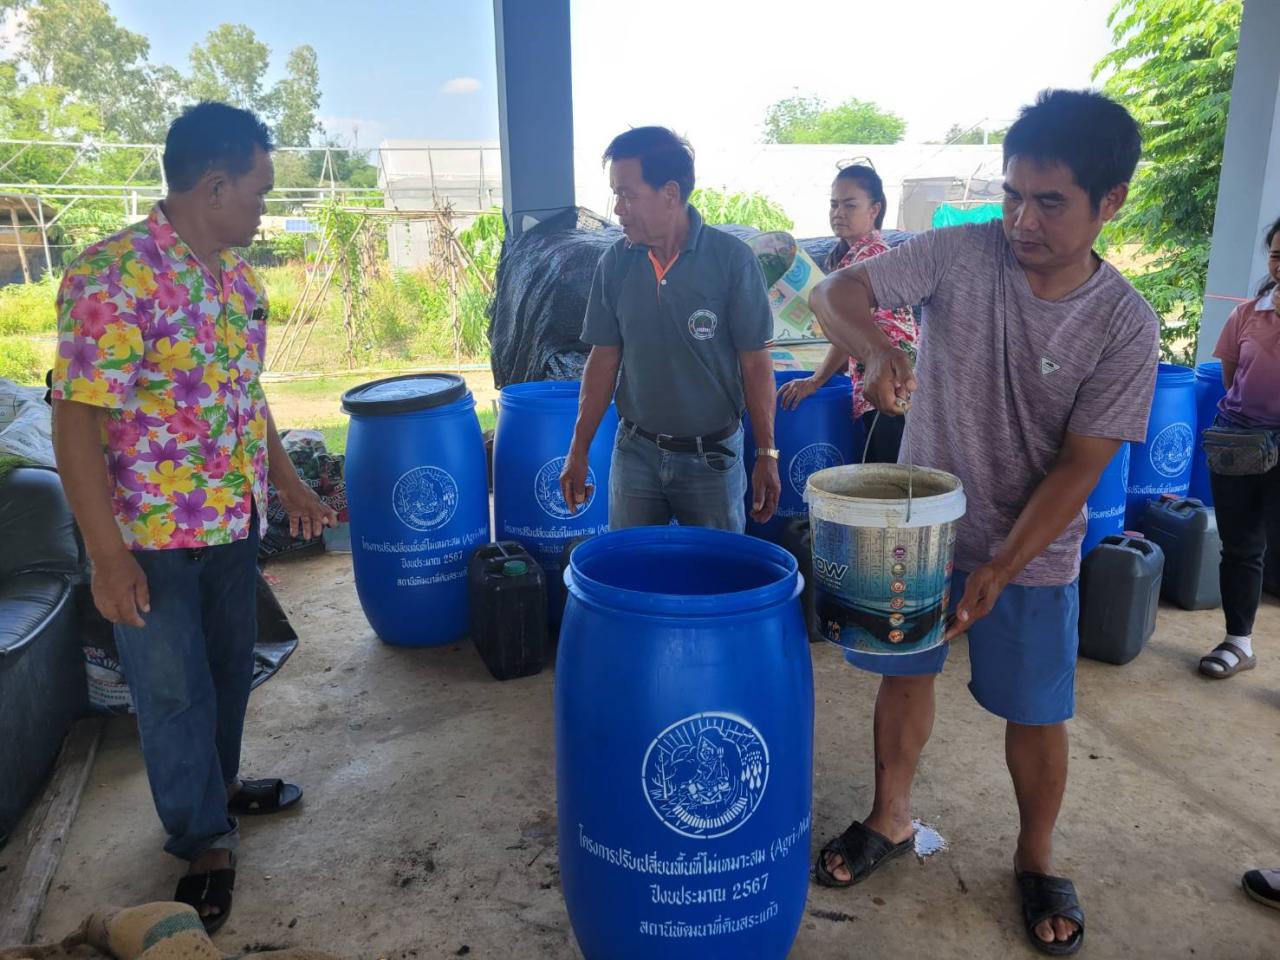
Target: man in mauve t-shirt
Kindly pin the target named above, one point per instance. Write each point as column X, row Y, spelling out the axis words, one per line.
column 1037, row 361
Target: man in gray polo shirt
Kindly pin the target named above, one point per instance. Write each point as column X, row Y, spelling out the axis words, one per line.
column 1038, row 361
column 680, row 310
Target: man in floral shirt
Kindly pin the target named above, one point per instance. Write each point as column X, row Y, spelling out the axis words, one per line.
column 165, row 443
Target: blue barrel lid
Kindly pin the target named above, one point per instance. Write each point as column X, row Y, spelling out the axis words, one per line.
column 404, row 394
column 1174, row 373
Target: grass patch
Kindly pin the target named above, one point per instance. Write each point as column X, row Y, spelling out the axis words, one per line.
column 24, row 360
column 28, row 308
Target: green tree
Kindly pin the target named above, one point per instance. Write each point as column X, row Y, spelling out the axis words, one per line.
column 806, row 119
column 77, row 45
column 295, row 99
column 745, row 209
column 229, row 66
column 1172, row 67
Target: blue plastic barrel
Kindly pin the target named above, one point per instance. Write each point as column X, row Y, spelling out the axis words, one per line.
column 535, row 426
column 819, row 433
column 1163, row 463
column 418, row 495
column 684, row 746
column 1209, row 390
column 1108, row 502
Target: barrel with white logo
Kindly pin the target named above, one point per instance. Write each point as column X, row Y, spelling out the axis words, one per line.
column 1163, row 463
column 1107, row 503
column 1209, row 391
column 819, row 433
column 418, row 496
column 684, row 746
column 535, row 426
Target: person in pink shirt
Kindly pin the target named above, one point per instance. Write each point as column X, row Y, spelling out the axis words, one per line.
column 1249, row 349
column 857, row 213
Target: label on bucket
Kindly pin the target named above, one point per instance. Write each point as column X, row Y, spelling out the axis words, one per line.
column 882, row 590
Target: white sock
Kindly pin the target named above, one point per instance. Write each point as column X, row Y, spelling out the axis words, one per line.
column 1244, row 643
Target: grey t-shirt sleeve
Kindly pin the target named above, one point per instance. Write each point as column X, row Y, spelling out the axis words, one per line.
column 912, row 271
column 600, row 326
column 1115, row 401
column 750, row 319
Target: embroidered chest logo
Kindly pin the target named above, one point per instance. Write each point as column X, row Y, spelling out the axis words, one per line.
column 702, row 324
column 1048, row 366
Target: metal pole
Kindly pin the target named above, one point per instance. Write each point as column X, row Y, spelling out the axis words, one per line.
column 22, row 254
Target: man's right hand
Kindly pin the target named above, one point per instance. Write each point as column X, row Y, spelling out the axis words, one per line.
column 120, row 589
column 573, row 482
column 890, row 380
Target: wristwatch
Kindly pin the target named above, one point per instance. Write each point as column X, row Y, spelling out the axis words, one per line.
column 769, row 452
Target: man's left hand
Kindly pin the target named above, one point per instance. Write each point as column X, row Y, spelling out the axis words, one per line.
column 308, row 514
column 981, row 591
column 765, row 489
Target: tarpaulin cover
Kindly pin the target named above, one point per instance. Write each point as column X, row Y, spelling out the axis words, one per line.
column 949, row 216
column 544, row 278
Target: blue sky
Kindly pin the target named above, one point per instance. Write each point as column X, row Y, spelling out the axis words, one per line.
column 383, row 64
column 707, row 67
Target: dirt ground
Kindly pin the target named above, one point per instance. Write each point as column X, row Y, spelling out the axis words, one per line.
column 428, row 828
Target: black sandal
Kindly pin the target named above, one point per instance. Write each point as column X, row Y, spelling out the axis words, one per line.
column 212, row 889
column 862, row 850
column 263, row 796
column 1044, row 898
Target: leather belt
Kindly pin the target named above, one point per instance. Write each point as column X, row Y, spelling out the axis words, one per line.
column 707, row 443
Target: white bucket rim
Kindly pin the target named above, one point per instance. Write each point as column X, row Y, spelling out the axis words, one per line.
column 831, row 506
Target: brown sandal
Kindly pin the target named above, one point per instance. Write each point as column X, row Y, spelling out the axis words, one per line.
column 1228, row 669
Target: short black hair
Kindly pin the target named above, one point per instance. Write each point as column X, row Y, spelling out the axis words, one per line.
column 867, row 178
column 1269, row 284
column 212, row 136
column 1091, row 135
column 663, row 154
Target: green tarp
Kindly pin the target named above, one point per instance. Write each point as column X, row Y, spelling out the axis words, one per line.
column 949, row 216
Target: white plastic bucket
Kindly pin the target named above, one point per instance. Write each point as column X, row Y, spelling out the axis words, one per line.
column 882, row 570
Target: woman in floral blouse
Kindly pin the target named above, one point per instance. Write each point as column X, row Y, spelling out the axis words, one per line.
column 857, row 213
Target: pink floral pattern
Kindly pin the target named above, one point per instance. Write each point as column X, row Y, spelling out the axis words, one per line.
column 898, row 325
column 173, row 354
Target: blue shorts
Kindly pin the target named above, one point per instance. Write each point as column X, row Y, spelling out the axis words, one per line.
column 1022, row 655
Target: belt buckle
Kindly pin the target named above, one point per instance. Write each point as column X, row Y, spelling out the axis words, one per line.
column 661, row 440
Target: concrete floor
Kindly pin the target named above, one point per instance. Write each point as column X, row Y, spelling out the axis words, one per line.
column 429, row 824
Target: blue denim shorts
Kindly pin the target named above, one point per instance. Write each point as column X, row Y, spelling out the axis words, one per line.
column 1022, row 655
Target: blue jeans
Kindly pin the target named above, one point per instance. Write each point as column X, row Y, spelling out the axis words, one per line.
column 189, row 670
column 649, row 486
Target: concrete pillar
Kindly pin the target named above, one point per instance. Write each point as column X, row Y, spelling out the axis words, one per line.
column 535, row 109
column 1249, row 190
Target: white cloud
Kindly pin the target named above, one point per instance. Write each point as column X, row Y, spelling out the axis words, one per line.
column 460, row 85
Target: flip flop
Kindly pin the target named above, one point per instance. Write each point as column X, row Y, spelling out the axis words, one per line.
column 1044, row 898
column 212, row 889
column 263, row 796
column 862, row 850
column 1229, row 669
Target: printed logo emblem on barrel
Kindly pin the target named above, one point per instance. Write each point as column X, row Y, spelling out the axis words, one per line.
column 705, row 775
column 702, row 324
column 425, row 498
column 1171, row 449
column 546, row 490
column 811, row 459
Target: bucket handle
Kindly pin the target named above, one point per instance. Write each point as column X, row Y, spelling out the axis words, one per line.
column 906, row 449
